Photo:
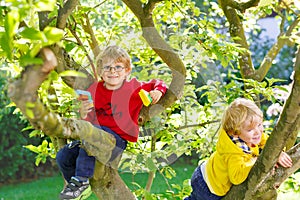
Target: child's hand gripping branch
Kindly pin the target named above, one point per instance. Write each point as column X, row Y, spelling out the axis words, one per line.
column 284, row 160
column 85, row 108
column 155, row 95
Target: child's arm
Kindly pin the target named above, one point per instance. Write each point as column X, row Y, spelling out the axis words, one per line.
column 156, row 88
column 285, row 160
column 239, row 168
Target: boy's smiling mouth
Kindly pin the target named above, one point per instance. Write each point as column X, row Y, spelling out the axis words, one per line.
column 113, row 76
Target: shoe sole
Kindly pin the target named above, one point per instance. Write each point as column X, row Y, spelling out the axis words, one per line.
column 86, row 193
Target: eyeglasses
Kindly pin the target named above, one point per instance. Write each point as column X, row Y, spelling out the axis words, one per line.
column 116, row 68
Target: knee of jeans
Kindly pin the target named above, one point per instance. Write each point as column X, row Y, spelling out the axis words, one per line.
column 59, row 158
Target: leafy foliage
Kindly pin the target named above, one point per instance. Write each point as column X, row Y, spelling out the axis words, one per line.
column 21, row 38
column 16, row 162
column 198, row 34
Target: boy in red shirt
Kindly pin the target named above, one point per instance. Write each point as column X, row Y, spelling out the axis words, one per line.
column 115, row 109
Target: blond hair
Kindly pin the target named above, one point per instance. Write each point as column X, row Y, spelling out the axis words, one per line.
column 237, row 113
column 113, row 54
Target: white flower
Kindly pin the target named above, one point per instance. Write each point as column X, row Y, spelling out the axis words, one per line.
column 274, row 109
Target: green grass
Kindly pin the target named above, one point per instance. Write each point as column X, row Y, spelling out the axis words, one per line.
column 49, row 188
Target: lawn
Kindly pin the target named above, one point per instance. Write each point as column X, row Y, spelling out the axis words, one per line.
column 48, row 188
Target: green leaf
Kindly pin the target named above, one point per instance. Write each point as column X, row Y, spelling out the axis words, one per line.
column 265, row 3
column 271, row 81
column 28, row 60
column 148, row 195
column 44, row 144
column 32, row 34
column 169, row 172
column 150, row 164
column 29, row 111
column 38, row 160
column 32, row 148
column 35, row 49
column 35, row 133
column 11, row 23
column 6, row 46
column 45, row 5
column 53, row 35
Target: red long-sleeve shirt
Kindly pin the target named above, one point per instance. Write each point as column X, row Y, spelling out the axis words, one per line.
column 119, row 109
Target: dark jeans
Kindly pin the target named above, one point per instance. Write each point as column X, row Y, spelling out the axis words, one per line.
column 74, row 161
column 200, row 188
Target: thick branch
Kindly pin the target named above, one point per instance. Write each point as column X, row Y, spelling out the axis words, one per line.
column 237, row 33
column 288, row 125
column 166, row 53
column 242, row 5
column 273, row 52
column 268, row 188
column 64, row 12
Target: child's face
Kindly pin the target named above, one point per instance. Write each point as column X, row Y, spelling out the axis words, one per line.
column 114, row 74
column 251, row 132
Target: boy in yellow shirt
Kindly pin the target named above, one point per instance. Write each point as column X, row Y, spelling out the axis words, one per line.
column 240, row 138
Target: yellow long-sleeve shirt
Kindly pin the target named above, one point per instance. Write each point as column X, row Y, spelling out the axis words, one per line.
column 229, row 164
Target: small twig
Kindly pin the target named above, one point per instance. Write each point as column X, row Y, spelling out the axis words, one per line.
column 84, row 49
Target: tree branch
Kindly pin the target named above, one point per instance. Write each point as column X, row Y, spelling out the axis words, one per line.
column 74, row 33
column 166, row 53
column 279, row 175
column 242, row 5
column 283, row 173
column 64, row 12
column 274, row 50
column 93, row 41
column 237, row 33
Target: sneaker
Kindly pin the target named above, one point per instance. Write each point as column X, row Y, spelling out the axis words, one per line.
column 76, row 190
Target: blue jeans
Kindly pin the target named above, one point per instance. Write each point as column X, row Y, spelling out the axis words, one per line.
column 200, row 188
column 74, row 161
